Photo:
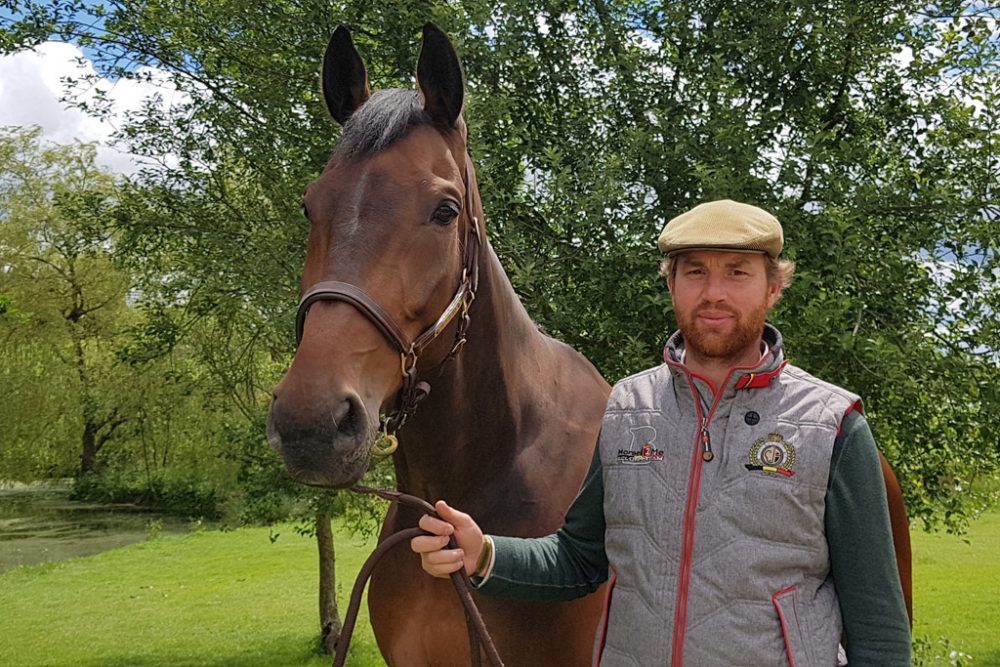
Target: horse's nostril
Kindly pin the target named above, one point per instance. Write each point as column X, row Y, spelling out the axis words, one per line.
column 348, row 417
column 341, row 414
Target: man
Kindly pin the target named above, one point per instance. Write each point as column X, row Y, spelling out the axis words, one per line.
column 737, row 501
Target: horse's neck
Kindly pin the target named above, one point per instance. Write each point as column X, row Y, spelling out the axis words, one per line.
column 468, row 427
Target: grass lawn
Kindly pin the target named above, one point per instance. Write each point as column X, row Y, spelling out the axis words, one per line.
column 957, row 589
column 232, row 599
column 237, row 599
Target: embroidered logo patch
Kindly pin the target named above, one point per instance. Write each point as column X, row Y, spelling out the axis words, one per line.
column 772, row 455
column 641, row 449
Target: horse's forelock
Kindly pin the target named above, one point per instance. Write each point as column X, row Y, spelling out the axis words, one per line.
column 380, row 122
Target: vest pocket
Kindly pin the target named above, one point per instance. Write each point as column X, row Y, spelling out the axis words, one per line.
column 795, row 645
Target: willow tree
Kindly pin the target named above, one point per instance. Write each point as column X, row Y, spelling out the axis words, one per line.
column 65, row 303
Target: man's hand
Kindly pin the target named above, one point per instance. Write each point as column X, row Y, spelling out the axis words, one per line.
column 435, row 558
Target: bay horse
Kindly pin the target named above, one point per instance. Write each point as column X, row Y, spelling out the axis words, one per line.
column 509, row 428
column 397, row 253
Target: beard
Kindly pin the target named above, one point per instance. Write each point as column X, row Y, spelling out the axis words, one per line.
column 727, row 344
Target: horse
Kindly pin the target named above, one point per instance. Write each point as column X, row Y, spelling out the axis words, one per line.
column 398, row 276
column 509, row 428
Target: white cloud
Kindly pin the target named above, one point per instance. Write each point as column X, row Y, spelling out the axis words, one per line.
column 32, row 89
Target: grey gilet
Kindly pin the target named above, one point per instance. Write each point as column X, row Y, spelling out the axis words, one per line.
column 722, row 561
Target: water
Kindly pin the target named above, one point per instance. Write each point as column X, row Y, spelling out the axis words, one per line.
column 40, row 524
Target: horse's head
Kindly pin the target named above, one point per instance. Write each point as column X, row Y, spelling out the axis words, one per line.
column 387, row 265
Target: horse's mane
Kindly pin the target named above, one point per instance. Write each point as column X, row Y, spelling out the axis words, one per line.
column 384, row 119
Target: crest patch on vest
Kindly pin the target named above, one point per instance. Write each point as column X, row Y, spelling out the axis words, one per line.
column 640, row 449
column 772, row 455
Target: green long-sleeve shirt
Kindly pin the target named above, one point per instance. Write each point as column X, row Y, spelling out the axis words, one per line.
column 572, row 562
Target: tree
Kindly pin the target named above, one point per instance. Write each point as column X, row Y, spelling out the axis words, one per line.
column 65, row 301
column 868, row 128
column 80, row 373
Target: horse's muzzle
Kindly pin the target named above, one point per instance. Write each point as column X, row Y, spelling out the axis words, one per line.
column 330, row 445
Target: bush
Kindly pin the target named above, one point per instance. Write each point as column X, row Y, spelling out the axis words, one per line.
column 182, row 494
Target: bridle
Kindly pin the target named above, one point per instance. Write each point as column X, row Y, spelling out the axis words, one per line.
column 411, row 392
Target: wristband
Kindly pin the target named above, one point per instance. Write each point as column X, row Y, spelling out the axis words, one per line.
column 484, row 558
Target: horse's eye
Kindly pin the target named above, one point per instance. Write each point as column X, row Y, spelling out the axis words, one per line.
column 444, row 214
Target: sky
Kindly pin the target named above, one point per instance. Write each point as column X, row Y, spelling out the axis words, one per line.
column 32, row 91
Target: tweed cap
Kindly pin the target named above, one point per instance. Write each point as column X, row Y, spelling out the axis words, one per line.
column 723, row 225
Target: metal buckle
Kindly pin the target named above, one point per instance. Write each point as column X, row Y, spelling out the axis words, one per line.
column 408, row 361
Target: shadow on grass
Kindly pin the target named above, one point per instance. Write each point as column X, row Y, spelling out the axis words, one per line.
column 281, row 656
column 991, row 659
column 278, row 659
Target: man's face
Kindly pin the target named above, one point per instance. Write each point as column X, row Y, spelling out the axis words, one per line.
column 721, row 300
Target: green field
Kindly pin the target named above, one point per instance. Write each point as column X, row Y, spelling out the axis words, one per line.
column 233, row 599
column 240, row 599
column 956, row 592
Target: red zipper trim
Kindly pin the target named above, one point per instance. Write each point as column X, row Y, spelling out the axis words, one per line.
column 784, row 627
column 691, row 507
column 607, row 614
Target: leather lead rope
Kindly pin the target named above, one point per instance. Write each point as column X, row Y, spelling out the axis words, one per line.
column 474, row 620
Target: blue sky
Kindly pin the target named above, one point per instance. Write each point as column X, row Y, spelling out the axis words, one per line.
column 8, row 16
column 32, row 92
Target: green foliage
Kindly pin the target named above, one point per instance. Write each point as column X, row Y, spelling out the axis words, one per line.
column 82, row 392
column 65, row 305
column 928, row 653
column 174, row 493
column 868, row 128
column 266, row 494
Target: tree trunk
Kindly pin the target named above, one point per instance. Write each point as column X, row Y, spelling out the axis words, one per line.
column 88, row 457
column 88, row 439
column 329, row 617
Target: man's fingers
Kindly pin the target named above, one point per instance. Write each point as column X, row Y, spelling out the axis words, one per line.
column 443, row 562
column 456, row 518
column 428, row 543
column 435, row 557
column 436, row 526
column 444, row 557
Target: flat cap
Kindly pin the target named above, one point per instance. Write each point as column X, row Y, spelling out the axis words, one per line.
column 723, row 225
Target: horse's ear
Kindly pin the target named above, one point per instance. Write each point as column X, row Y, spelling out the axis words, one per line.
column 439, row 77
column 345, row 81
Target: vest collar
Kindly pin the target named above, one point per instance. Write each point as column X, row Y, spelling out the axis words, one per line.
column 759, row 375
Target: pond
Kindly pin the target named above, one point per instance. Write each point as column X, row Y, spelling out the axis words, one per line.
column 39, row 523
